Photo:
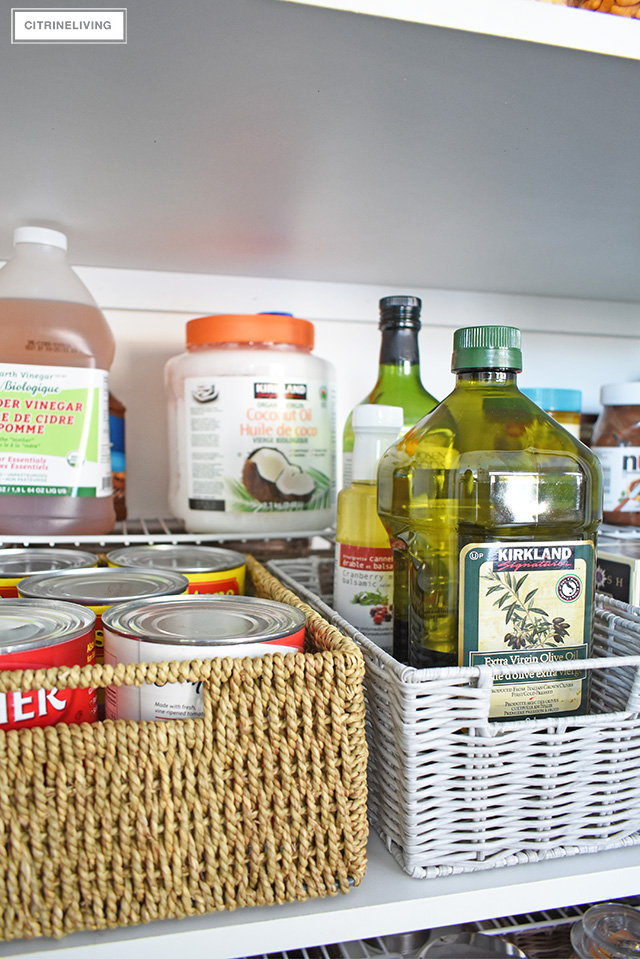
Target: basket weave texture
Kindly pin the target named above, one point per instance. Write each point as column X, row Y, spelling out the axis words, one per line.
column 263, row 800
column 451, row 792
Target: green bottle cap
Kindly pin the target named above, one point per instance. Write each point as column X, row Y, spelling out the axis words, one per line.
column 486, row 348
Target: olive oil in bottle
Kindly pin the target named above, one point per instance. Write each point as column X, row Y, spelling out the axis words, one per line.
column 398, row 382
column 496, row 508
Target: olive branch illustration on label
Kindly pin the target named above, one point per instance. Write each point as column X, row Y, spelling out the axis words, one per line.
column 531, row 626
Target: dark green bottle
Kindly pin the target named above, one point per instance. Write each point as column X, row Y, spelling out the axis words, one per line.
column 496, row 507
column 398, row 382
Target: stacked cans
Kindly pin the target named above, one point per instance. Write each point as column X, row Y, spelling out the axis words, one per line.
column 16, row 564
column 100, row 589
column 151, row 604
column 190, row 627
column 38, row 635
column 208, row 568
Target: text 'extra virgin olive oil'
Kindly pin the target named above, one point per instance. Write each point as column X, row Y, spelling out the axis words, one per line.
column 496, row 508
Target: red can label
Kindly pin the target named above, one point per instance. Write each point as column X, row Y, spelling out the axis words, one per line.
column 9, row 588
column 44, row 707
column 230, row 585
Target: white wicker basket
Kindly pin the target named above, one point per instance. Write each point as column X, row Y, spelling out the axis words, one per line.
column 451, row 792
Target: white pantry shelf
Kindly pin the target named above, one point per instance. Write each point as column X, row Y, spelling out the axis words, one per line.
column 477, row 145
column 387, row 901
column 531, row 20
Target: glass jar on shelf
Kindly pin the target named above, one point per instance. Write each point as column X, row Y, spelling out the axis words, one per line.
column 610, row 929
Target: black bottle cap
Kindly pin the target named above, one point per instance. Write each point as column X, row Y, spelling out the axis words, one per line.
column 398, row 312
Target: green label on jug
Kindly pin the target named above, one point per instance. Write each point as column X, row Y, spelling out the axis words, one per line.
column 523, row 605
column 54, row 431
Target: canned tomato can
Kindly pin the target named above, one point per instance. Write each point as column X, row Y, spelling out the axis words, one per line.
column 99, row 589
column 209, row 569
column 23, row 561
column 190, row 627
column 36, row 634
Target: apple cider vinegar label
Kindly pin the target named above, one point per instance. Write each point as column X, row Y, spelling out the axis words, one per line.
column 523, row 604
column 257, row 446
column 54, row 431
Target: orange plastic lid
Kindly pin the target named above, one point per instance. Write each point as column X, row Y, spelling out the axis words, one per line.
column 250, row 328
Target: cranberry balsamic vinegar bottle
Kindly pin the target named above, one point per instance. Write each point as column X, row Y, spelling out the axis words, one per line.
column 363, row 572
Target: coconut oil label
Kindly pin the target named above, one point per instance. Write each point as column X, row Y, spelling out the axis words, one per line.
column 54, row 431
column 525, row 605
column 256, row 446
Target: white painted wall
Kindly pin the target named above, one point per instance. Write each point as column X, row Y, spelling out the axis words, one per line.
column 568, row 343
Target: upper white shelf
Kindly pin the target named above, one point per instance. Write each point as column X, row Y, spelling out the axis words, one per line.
column 531, row 20
column 487, row 149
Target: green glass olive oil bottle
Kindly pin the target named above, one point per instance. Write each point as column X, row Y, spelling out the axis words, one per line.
column 398, row 382
column 495, row 508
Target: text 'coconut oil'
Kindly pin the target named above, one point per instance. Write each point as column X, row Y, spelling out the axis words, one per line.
column 251, row 427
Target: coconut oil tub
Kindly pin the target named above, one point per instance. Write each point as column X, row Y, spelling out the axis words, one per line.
column 251, row 427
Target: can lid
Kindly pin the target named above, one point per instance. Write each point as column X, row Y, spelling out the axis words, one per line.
column 400, row 312
column 39, row 234
column 620, row 394
column 103, row 586
column 377, row 417
column 487, row 348
column 185, row 558
column 550, row 398
column 25, row 560
column 250, row 328
column 201, row 620
column 30, row 623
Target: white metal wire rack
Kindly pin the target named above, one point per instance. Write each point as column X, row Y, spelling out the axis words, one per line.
column 541, row 935
column 154, row 530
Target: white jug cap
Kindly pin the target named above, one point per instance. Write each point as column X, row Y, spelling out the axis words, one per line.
column 373, row 416
column 40, row 234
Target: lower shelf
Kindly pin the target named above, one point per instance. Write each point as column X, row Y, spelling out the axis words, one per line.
column 387, row 901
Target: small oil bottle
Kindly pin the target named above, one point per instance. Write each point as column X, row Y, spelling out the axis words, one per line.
column 497, row 508
column 363, row 572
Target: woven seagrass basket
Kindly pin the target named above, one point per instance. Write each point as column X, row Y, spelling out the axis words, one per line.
column 451, row 792
column 264, row 800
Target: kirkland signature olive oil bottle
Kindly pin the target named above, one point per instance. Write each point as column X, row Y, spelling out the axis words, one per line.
column 496, row 507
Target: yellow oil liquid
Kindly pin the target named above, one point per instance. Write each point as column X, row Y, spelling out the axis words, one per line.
column 487, row 466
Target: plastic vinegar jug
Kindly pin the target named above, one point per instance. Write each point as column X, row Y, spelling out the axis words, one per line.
column 57, row 348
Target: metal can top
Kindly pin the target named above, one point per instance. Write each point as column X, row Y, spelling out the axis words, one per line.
column 184, row 558
column 202, row 620
column 103, row 586
column 30, row 623
column 25, row 560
